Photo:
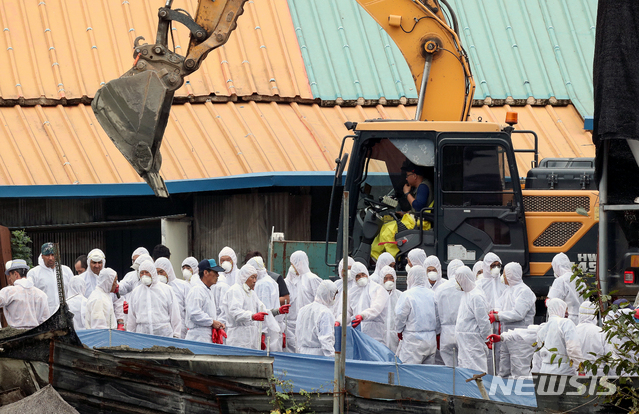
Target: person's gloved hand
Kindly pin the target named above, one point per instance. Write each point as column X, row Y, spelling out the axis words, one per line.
column 125, row 307
column 263, row 343
column 284, row 309
column 358, row 319
column 337, row 323
column 437, row 339
column 221, row 335
column 489, row 344
column 117, row 290
column 494, row 338
column 259, row 316
column 492, row 316
column 121, row 327
column 400, row 336
column 214, row 336
column 283, row 340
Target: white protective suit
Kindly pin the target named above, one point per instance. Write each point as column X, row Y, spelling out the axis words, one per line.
column 99, row 313
column 447, row 298
column 473, row 327
column 315, row 323
column 417, row 320
column 517, row 310
column 490, row 285
column 565, row 289
column 560, row 333
column 45, row 279
column 77, row 302
column 525, row 337
column 241, row 303
column 370, row 303
column 91, row 281
column 339, row 284
column 132, row 279
column 493, row 288
column 200, row 312
column 384, row 259
column 390, row 338
column 268, row 292
column 180, row 289
column 154, row 309
column 302, row 286
column 434, row 262
column 192, row 263
column 24, row 305
column 591, row 337
column 231, row 276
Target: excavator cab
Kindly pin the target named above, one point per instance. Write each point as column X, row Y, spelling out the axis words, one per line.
column 134, row 109
column 470, row 169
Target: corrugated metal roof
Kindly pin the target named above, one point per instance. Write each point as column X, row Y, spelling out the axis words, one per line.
column 348, row 56
column 65, row 50
column 64, row 144
column 530, row 49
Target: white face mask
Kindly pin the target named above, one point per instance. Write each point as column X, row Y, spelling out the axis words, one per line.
column 362, row 282
column 389, row 285
column 146, row 280
column 186, row 273
column 408, row 267
column 432, row 276
column 163, row 279
column 227, row 266
column 495, row 271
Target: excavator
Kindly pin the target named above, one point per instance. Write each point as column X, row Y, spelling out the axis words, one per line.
column 478, row 202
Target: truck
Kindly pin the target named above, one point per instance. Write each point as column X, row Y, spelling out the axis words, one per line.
column 479, row 202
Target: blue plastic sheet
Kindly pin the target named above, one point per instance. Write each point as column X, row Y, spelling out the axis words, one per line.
column 315, row 373
column 362, row 347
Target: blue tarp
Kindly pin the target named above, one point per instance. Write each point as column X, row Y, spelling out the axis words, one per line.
column 316, row 373
column 362, row 347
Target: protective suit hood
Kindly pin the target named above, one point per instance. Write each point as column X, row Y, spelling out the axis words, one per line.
column 227, row 251
column 464, row 276
column 340, row 267
column 358, row 268
column 433, row 261
column 141, row 259
column 417, row 257
column 258, row 263
column 299, row 259
column 139, row 251
column 387, row 270
column 192, row 263
column 416, row 277
column 588, row 313
column 165, row 264
column 245, row 272
column 477, row 267
column 76, row 287
column 557, row 307
column 326, row 293
column 384, row 259
column 452, row 268
column 513, row 273
column 488, row 260
column 105, row 279
column 96, row 255
column 561, row 264
column 149, row 266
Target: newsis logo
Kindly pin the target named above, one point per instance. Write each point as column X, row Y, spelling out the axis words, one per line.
column 553, row 385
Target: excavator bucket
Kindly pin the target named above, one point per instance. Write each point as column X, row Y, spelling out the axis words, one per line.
column 134, row 111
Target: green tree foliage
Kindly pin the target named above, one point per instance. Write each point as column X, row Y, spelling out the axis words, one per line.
column 19, row 246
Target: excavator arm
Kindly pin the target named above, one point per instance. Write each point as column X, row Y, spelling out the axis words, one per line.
column 134, row 109
column 432, row 48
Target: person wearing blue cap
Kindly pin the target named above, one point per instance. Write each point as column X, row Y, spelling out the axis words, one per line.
column 201, row 314
column 44, row 277
column 24, row 305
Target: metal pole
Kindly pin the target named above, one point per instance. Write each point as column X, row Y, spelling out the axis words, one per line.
column 602, row 258
column 454, row 367
column 336, row 387
column 422, row 88
column 342, row 365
